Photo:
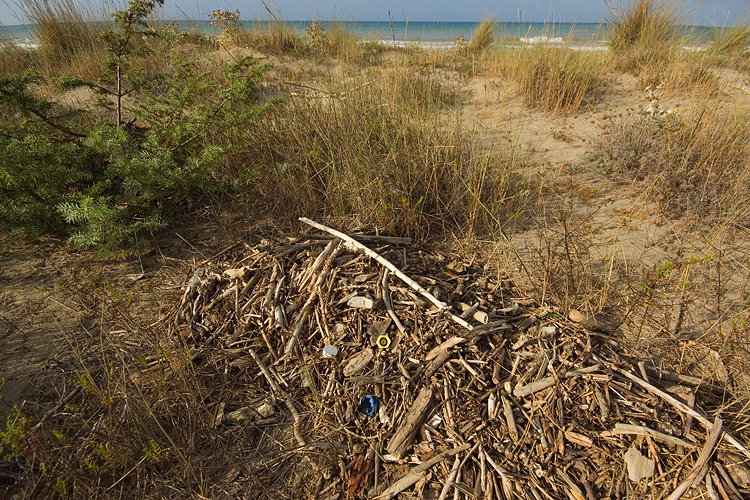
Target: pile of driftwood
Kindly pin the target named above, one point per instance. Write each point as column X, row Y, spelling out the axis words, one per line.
column 401, row 370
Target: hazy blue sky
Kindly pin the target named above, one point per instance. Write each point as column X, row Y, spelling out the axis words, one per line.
column 716, row 12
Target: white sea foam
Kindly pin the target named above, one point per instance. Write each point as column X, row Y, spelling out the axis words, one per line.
column 541, row 39
column 426, row 44
column 26, row 44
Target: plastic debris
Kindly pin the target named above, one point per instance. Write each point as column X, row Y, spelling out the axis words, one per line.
column 369, row 405
column 330, row 351
column 384, row 342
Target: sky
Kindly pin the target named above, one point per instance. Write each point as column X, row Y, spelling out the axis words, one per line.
column 716, row 12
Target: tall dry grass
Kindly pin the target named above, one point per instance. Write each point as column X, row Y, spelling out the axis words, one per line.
column 643, row 34
column 274, row 37
column 731, row 46
column 68, row 35
column 13, row 59
column 558, row 80
column 379, row 153
column 483, row 36
column 345, row 44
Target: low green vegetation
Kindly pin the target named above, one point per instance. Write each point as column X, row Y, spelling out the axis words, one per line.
column 109, row 174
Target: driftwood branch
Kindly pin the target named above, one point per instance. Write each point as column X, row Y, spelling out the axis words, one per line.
column 680, row 406
column 418, row 472
column 641, row 430
column 387, row 264
column 701, row 464
column 404, row 436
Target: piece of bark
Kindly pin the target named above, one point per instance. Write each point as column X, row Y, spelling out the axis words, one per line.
column 639, row 467
column 359, row 302
column 510, row 419
column 437, row 350
column 403, row 438
column 436, row 363
column 358, row 362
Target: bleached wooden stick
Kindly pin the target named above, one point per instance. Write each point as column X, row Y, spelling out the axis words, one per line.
column 700, row 465
column 679, row 405
column 418, row 472
column 387, row 264
column 388, row 304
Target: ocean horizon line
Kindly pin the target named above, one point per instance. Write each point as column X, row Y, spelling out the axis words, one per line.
column 425, row 33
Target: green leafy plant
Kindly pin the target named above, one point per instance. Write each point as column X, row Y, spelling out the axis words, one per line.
column 111, row 183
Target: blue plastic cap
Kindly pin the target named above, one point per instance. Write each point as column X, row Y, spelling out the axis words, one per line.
column 369, row 405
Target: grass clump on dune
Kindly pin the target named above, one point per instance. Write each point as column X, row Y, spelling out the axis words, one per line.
column 643, row 34
column 731, row 46
column 698, row 165
column 376, row 154
column 68, row 35
column 13, row 59
column 344, row 44
column 558, row 80
column 275, row 37
column 483, row 36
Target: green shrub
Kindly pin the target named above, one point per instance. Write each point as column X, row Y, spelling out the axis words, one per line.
column 109, row 183
column 37, row 173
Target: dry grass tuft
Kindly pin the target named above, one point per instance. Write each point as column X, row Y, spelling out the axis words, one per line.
column 644, row 34
column 558, row 80
column 698, row 165
column 344, row 44
column 483, row 36
column 13, row 59
column 379, row 154
column 68, row 35
column 274, row 37
column 731, row 46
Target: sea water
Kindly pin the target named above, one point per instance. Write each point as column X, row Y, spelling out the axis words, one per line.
column 426, row 34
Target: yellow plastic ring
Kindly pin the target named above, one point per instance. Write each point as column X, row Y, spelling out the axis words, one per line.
column 384, row 341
